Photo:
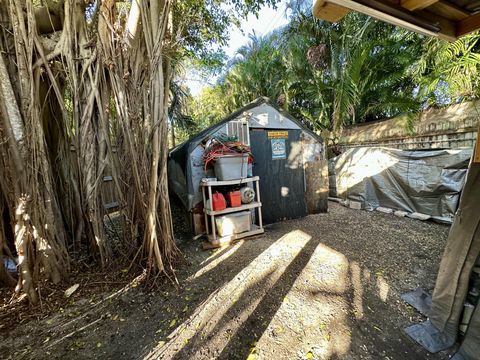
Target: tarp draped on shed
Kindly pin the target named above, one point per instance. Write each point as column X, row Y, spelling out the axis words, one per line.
column 427, row 182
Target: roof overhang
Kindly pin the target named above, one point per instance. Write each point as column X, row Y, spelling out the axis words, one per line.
column 447, row 20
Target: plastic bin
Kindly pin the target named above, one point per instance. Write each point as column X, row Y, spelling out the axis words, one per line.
column 231, row 167
column 235, row 223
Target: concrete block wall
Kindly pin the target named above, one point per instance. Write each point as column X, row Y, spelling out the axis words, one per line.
column 453, row 127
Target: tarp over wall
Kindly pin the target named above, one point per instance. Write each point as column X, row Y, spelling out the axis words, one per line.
column 427, row 182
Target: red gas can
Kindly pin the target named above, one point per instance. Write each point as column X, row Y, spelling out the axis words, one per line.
column 234, row 198
column 218, row 202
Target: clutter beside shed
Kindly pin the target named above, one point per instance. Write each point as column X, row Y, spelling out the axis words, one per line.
column 259, row 149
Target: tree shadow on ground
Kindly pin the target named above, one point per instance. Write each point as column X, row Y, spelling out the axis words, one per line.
column 149, row 318
column 238, row 346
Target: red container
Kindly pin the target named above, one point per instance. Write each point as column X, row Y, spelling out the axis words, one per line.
column 234, row 198
column 218, row 202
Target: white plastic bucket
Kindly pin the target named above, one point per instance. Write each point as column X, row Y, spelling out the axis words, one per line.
column 231, row 167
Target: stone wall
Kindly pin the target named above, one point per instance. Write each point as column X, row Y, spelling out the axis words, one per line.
column 453, row 127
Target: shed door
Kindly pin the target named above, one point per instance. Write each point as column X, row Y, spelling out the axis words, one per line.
column 282, row 185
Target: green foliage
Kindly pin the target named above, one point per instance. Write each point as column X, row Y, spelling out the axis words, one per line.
column 334, row 75
column 210, row 106
column 364, row 73
column 200, row 28
column 449, row 72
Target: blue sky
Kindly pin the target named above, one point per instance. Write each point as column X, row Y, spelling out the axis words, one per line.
column 268, row 20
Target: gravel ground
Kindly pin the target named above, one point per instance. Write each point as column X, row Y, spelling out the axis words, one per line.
column 324, row 287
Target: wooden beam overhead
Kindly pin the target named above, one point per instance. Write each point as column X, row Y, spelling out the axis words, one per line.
column 438, row 18
column 417, row 4
column 448, row 11
column 328, row 11
column 468, row 25
column 422, row 22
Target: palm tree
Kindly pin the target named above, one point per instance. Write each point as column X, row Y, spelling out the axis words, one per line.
column 449, row 72
column 255, row 71
column 365, row 73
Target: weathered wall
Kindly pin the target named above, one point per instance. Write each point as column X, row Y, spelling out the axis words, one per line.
column 453, row 127
column 316, row 175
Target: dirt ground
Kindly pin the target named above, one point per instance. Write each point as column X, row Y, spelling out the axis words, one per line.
column 323, row 287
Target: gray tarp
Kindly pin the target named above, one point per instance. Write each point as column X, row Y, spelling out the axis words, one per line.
column 427, row 182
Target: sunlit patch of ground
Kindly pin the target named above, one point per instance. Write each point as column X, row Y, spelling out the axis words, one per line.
column 323, row 287
column 299, row 299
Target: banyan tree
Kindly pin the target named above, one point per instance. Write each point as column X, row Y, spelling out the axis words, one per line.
column 83, row 88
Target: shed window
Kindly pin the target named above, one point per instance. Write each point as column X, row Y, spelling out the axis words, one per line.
column 240, row 129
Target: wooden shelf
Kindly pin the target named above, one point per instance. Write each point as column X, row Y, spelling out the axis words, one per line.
column 229, row 210
column 227, row 240
column 230, row 182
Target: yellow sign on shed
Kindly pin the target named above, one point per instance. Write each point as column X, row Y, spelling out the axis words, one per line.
column 277, row 134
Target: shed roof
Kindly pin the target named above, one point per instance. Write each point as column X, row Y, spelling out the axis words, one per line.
column 183, row 149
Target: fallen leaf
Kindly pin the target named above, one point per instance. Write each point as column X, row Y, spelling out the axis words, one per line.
column 99, row 344
column 173, row 322
column 71, row 290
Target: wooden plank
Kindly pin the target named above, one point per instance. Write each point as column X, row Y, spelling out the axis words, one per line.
column 468, row 25
column 448, row 11
column 111, row 205
column 417, row 4
column 328, row 11
column 222, row 239
column 233, row 209
column 447, row 27
column 226, row 241
column 476, row 155
column 446, row 30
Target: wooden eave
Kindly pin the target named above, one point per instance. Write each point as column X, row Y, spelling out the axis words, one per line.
column 447, row 20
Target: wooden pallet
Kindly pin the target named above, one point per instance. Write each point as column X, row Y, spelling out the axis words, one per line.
column 232, row 239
